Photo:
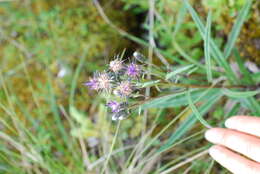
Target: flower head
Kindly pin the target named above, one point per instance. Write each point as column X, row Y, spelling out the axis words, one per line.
column 119, row 110
column 125, row 88
column 118, row 82
column 133, row 70
column 120, row 115
column 104, row 81
column 114, row 106
column 93, row 84
column 116, row 65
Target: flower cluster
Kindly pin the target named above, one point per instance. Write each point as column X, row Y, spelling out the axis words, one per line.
column 117, row 82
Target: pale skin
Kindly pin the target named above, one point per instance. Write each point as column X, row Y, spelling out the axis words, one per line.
column 237, row 147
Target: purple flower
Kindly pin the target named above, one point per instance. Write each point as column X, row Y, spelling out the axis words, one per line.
column 93, row 84
column 125, row 88
column 133, row 70
column 104, row 81
column 114, row 106
column 116, row 65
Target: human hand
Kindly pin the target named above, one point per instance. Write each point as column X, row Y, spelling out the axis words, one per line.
column 237, row 146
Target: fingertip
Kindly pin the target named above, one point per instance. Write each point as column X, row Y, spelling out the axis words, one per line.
column 208, row 135
column 214, row 150
column 231, row 122
column 233, row 161
column 247, row 124
column 213, row 135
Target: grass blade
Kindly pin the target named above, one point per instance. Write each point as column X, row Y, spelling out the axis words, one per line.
column 252, row 105
column 239, row 94
column 190, row 121
column 196, row 112
column 217, row 54
column 247, row 76
column 186, row 56
column 236, row 28
column 180, row 18
column 178, row 71
column 75, row 77
column 148, row 84
column 178, row 99
column 207, row 48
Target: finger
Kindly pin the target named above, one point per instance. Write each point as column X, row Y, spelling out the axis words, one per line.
column 237, row 141
column 247, row 124
column 233, row 162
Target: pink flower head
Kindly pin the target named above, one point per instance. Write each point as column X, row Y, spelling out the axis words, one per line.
column 124, row 88
column 116, row 65
column 104, row 81
column 93, row 84
column 114, row 106
column 133, row 70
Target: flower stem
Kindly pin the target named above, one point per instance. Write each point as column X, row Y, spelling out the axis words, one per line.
column 202, row 86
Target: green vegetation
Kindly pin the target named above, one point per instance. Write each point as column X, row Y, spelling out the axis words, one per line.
column 51, row 123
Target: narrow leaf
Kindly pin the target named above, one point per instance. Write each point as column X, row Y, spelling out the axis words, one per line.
column 75, row 114
column 146, row 84
column 217, row 54
column 236, row 28
column 180, row 18
column 196, row 112
column 207, row 48
column 178, row 71
column 247, row 76
column 252, row 104
column 177, row 99
column 190, row 121
column 239, row 94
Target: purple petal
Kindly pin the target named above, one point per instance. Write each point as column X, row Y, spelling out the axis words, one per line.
column 114, row 106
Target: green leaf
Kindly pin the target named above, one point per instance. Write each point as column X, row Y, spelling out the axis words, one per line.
column 178, row 71
column 217, row 54
column 247, row 76
column 196, row 112
column 186, row 56
column 256, row 77
column 239, row 94
column 236, row 28
column 146, row 84
column 177, row 99
column 78, row 116
column 180, row 18
column 252, row 104
column 207, row 48
column 233, row 111
column 190, row 121
column 76, row 76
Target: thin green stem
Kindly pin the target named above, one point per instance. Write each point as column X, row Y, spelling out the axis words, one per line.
column 111, row 148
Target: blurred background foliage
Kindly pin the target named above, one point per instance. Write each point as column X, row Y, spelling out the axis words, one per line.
column 47, row 44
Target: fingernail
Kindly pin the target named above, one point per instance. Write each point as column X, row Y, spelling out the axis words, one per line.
column 214, row 151
column 213, row 135
column 230, row 123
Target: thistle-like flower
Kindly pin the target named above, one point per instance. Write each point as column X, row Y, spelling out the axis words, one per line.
column 104, row 81
column 93, row 84
column 116, row 65
column 133, row 70
column 119, row 110
column 124, row 89
column 121, row 80
column 114, row 106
